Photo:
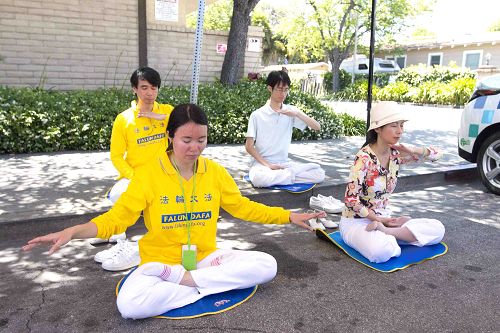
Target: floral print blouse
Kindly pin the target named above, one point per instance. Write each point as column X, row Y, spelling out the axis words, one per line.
column 370, row 184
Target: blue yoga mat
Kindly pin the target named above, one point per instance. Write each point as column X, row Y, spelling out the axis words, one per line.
column 208, row 305
column 292, row 188
column 410, row 255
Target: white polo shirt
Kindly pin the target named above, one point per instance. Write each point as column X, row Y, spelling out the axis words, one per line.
column 272, row 132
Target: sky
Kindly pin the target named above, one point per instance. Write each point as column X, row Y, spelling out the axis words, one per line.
column 460, row 17
column 449, row 17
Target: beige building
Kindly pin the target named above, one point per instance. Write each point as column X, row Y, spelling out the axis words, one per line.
column 466, row 51
column 74, row 44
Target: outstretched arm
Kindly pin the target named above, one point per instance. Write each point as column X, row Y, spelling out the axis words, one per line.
column 151, row 115
column 411, row 154
column 300, row 219
column 293, row 111
column 58, row 239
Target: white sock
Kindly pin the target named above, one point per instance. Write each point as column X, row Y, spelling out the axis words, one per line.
column 168, row 273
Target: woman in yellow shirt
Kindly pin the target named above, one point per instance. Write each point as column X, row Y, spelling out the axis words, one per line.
column 181, row 193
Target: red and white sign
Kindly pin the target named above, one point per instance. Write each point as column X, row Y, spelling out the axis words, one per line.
column 221, row 48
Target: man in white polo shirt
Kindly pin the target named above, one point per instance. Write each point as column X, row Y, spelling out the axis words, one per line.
column 268, row 139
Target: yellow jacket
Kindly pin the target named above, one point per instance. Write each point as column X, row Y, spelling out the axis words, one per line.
column 155, row 189
column 135, row 141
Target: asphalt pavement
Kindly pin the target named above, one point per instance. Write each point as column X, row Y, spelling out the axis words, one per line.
column 317, row 289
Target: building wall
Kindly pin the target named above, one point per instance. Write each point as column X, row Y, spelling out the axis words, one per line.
column 74, row 44
column 420, row 56
column 64, row 45
column 170, row 51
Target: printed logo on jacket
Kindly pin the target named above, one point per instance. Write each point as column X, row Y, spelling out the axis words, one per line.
column 171, row 221
column 150, row 138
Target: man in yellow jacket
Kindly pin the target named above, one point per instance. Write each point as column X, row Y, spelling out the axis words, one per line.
column 139, row 134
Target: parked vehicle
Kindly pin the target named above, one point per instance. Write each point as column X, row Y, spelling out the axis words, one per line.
column 362, row 63
column 479, row 132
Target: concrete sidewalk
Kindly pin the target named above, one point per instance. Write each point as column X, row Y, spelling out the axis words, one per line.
column 63, row 184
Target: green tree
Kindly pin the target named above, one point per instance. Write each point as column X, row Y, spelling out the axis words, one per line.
column 422, row 33
column 273, row 45
column 495, row 26
column 217, row 16
column 327, row 28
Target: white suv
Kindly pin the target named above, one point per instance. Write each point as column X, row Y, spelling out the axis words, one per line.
column 479, row 133
column 362, row 63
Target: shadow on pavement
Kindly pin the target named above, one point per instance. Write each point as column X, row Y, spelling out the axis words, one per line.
column 317, row 288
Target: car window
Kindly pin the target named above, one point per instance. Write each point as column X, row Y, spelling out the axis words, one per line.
column 362, row 66
column 490, row 82
column 382, row 65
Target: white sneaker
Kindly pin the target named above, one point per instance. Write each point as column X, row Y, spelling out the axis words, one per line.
column 327, row 223
column 327, row 204
column 125, row 257
column 104, row 255
column 112, row 239
column 315, row 225
column 330, row 199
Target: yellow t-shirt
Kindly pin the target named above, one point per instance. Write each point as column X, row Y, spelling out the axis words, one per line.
column 155, row 189
column 135, row 141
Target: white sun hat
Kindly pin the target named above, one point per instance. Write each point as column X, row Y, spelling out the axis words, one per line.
column 384, row 113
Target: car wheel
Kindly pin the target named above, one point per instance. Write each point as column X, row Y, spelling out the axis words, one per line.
column 488, row 163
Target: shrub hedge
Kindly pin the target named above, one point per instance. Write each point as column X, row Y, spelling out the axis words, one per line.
column 419, row 84
column 35, row 120
column 418, row 74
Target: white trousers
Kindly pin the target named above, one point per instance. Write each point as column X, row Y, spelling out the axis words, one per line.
column 379, row 247
column 143, row 296
column 118, row 189
column 292, row 172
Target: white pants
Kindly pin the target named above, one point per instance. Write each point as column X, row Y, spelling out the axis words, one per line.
column 379, row 247
column 118, row 189
column 292, row 172
column 143, row 296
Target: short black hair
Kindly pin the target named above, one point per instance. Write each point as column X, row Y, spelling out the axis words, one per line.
column 276, row 77
column 183, row 114
column 147, row 74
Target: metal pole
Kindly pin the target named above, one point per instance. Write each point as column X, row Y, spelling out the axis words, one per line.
column 370, row 66
column 195, row 78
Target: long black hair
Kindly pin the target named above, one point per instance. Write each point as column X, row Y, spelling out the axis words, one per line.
column 183, row 114
column 371, row 138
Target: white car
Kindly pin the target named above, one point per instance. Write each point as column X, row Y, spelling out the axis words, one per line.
column 362, row 62
column 479, row 132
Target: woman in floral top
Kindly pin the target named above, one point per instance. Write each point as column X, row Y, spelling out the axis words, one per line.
column 366, row 224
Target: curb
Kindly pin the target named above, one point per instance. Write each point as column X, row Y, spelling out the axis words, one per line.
column 456, row 174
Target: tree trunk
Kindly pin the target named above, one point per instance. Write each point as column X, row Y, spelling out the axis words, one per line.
column 335, row 60
column 236, row 43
